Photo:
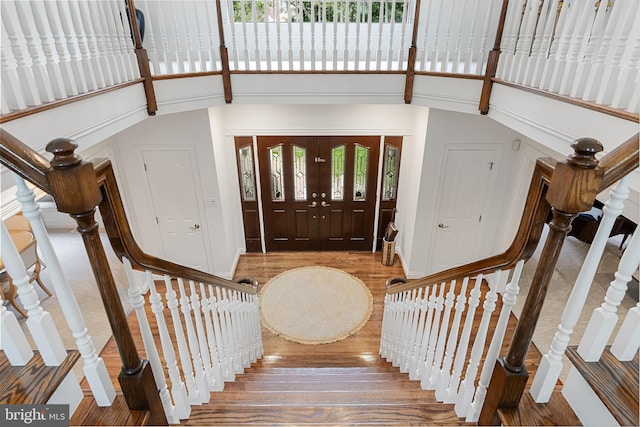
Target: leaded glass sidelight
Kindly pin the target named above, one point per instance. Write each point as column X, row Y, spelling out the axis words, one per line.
column 247, row 178
column 360, row 168
column 337, row 172
column 277, row 177
column 299, row 173
column 390, row 177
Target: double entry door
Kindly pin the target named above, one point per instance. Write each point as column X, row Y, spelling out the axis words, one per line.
column 318, row 193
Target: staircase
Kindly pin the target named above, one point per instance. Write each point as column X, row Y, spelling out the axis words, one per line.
column 375, row 394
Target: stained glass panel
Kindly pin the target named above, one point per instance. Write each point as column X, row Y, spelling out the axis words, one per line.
column 247, row 179
column 277, row 177
column 390, row 177
column 299, row 173
column 337, row 172
column 360, row 168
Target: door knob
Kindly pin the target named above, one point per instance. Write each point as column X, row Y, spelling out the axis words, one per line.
column 314, row 195
column 324, row 204
column 441, row 225
column 313, row 204
column 195, row 227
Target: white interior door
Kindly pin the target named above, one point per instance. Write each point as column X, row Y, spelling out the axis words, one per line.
column 175, row 196
column 466, row 183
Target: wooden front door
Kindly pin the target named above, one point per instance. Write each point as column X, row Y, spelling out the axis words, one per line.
column 318, row 193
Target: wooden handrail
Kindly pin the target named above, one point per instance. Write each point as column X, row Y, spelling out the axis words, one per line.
column 620, row 162
column 523, row 245
column 124, row 245
column 24, row 161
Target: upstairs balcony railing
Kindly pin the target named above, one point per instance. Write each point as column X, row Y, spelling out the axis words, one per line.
column 587, row 51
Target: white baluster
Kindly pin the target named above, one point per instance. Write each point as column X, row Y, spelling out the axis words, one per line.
column 603, row 319
column 11, row 85
column 550, row 367
column 401, row 326
column 576, row 50
column 182, row 409
column 39, row 61
column 391, row 334
column 627, row 341
column 461, row 354
column 290, row 33
column 186, row 22
column 192, row 339
column 626, row 94
column 94, row 368
column 13, row 341
column 57, row 59
column 267, row 52
column 384, row 329
column 312, row 26
column 442, row 337
column 586, row 58
column 525, row 41
column 103, row 41
column 392, row 26
column 447, row 37
column 577, row 13
column 178, row 54
column 471, row 38
column 125, row 38
column 425, row 381
column 212, row 340
column 214, row 42
column 232, row 329
column 367, row 55
column 150, row 39
column 406, row 14
column 24, row 71
column 442, row 390
column 468, row 384
column 381, row 19
column 256, row 36
column 412, row 324
column 421, row 306
column 278, row 19
column 324, row 36
column 137, row 303
column 226, row 368
column 88, row 49
column 67, row 51
column 456, row 48
column 508, row 300
column 609, row 78
column 435, row 51
column 194, row 390
column 541, row 43
column 211, row 371
column 166, row 53
column 39, row 322
column 347, row 25
column 417, row 371
column 356, row 52
column 484, row 48
column 559, row 38
column 227, row 333
column 509, row 39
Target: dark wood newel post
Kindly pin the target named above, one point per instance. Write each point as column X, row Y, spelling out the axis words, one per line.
column 143, row 61
column 411, row 59
column 492, row 61
column 74, row 187
column 573, row 188
column 224, row 57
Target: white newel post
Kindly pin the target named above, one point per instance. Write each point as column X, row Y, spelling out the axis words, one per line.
column 93, row 366
column 39, row 322
column 604, row 318
column 551, row 364
column 627, row 342
column 12, row 339
column 137, row 302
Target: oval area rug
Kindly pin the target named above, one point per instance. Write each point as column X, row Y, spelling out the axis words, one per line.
column 315, row 305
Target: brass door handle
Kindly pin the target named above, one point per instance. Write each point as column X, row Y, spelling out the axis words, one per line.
column 324, row 204
column 313, row 204
column 441, row 225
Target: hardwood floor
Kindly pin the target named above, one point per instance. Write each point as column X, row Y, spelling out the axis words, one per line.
column 339, row 383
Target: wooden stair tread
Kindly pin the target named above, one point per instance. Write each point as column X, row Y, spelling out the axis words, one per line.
column 529, row 413
column 118, row 414
column 613, row 381
column 409, row 414
column 33, row 383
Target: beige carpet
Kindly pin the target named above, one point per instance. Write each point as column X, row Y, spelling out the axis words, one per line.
column 315, row 305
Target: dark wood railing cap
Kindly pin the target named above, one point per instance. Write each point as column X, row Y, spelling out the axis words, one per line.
column 63, row 150
column 584, row 155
